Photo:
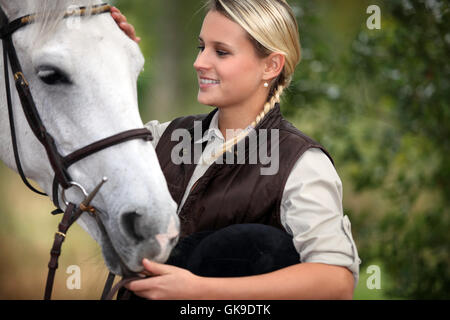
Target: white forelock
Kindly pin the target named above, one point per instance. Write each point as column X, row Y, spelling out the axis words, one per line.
column 49, row 14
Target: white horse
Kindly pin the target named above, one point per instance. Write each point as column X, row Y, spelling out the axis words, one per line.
column 83, row 72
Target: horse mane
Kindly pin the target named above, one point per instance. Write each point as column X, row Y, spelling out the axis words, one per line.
column 50, row 13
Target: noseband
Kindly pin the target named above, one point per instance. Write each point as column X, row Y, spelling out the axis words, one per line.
column 60, row 164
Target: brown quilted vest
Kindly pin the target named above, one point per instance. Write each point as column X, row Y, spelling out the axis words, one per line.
column 231, row 193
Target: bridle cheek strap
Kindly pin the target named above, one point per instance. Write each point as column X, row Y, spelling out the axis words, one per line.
column 26, row 98
column 71, row 214
column 12, row 124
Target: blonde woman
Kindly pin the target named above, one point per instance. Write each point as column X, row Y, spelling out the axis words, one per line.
column 245, row 234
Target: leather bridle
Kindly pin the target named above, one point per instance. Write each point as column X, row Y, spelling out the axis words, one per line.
column 60, row 164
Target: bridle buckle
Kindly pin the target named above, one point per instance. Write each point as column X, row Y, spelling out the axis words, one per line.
column 20, row 76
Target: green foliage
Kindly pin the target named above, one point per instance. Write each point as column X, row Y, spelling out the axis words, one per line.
column 169, row 30
column 387, row 119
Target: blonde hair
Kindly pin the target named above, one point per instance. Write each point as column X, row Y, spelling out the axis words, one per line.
column 272, row 28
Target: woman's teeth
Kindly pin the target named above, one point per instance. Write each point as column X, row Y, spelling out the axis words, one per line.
column 208, row 81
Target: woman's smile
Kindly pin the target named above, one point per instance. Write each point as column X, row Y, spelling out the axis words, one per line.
column 205, row 83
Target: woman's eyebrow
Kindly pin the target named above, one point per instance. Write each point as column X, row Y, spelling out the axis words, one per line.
column 217, row 43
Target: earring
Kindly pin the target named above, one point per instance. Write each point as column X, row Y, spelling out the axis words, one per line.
column 266, row 85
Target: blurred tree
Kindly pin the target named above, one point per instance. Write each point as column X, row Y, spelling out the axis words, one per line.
column 169, row 31
column 408, row 66
column 384, row 104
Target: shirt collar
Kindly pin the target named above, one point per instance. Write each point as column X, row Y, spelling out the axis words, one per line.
column 213, row 132
column 272, row 118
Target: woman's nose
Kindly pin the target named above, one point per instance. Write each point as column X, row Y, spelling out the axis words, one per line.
column 202, row 63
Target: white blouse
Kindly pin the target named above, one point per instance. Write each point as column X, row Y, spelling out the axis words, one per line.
column 311, row 208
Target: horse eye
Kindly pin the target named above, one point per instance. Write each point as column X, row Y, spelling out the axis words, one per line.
column 53, row 76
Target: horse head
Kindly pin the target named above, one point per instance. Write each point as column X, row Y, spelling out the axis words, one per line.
column 82, row 73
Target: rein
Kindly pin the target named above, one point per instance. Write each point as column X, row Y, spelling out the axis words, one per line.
column 60, row 164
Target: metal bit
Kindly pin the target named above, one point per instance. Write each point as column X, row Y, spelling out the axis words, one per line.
column 85, row 205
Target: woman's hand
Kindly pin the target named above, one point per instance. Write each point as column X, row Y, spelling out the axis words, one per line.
column 166, row 283
column 121, row 21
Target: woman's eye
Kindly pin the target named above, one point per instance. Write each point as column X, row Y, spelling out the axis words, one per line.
column 201, row 48
column 53, row 77
column 221, row 53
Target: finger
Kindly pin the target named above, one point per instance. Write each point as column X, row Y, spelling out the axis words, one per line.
column 129, row 31
column 145, row 274
column 114, row 9
column 115, row 16
column 142, row 285
column 122, row 17
column 119, row 17
column 158, row 268
column 127, row 28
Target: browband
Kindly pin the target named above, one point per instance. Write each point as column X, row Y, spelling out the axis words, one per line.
column 16, row 24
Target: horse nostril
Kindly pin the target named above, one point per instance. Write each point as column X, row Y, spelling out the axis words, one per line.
column 173, row 241
column 130, row 224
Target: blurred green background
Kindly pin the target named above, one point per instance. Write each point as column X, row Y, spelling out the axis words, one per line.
column 378, row 100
